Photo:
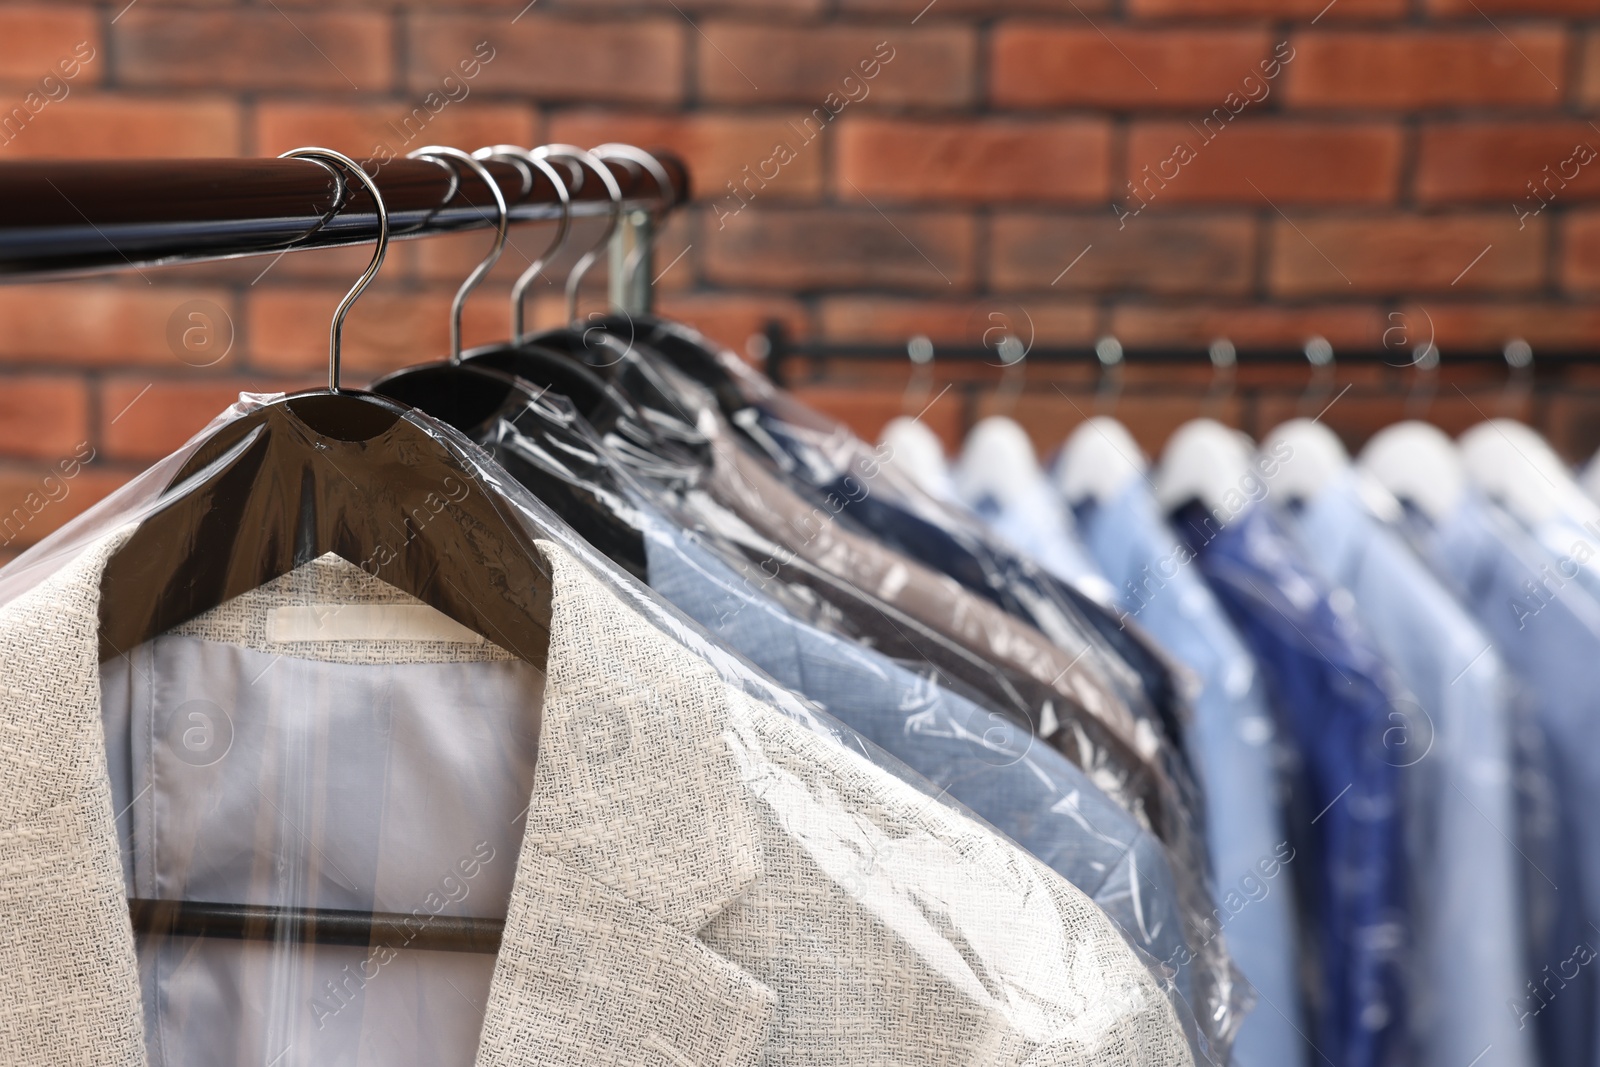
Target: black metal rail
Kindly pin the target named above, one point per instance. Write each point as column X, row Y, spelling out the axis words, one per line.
column 782, row 352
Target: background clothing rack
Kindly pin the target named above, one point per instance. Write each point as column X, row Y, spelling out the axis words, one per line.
column 63, row 218
column 781, row 351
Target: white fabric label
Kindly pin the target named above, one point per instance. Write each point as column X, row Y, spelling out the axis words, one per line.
column 366, row 622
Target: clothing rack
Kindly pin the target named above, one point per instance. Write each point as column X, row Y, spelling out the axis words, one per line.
column 781, row 351
column 65, row 218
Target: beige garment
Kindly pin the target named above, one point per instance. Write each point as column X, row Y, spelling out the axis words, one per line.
column 702, row 881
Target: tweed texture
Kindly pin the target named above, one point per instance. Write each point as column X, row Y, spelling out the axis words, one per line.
column 69, row 990
column 701, row 882
column 891, row 929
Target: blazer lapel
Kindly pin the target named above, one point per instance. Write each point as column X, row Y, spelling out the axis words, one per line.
column 640, row 832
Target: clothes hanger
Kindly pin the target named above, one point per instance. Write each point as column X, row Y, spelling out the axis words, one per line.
column 1108, row 353
column 1099, row 459
column 1310, row 458
column 1514, row 465
column 1208, row 462
column 1319, row 353
column 997, row 463
column 1425, row 383
column 1418, row 463
column 459, row 394
column 1224, row 370
column 301, row 476
column 476, row 398
column 917, row 451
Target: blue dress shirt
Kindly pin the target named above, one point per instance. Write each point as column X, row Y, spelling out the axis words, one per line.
column 1331, row 693
column 1232, row 737
column 1457, row 765
column 1546, row 623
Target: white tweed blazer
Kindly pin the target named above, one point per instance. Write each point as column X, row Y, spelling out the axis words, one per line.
column 702, row 881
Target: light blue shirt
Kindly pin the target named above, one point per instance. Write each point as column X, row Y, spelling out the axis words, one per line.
column 1546, row 624
column 1231, row 739
column 1038, row 524
column 1453, row 737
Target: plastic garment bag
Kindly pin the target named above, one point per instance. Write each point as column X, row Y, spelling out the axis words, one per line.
column 682, row 872
column 976, row 756
column 858, row 501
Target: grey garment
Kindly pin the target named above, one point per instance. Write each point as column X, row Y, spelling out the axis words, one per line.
column 246, row 777
column 1453, row 739
column 699, row 880
column 1025, row 789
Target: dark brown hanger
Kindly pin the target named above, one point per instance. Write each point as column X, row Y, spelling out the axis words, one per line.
column 345, row 472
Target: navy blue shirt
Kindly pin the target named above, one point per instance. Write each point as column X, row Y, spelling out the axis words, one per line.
column 1332, row 695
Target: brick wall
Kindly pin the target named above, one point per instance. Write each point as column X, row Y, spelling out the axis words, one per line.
column 1165, row 170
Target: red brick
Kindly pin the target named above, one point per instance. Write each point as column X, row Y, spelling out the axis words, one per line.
column 1288, row 162
column 1038, row 64
column 1589, row 70
column 1427, row 69
column 1580, row 252
column 1479, row 325
column 676, row 7
column 982, row 161
column 1406, row 254
column 923, row 11
column 1035, row 320
column 1248, row 325
column 98, row 126
column 842, row 248
column 137, row 423
column 1278, row 10
column 1157, row 254
column 374, row 129
column 1463, row 162
column 36, row 501
column 640, row 60
column 99, row 324
column 42, row 417
column 1478, row 9
column 253, row 49
column 34, row 39
column 826, row 67
column 716, row 147
column 732, row 318
column 386, row 329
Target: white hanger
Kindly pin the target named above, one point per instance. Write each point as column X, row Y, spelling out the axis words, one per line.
column 997, row 461
column 917, row 452
column 1516, row 466
column 1205, row 461
column 1098, row 460
column 1417, row 462
column 1316, row 457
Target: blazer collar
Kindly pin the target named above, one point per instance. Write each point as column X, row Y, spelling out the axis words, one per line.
column 639, row 821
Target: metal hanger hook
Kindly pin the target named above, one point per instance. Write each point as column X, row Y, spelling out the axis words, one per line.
column 613, row 190
column 336, row 330
column 639, row 157
column 449, row 156
column 519, row 291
